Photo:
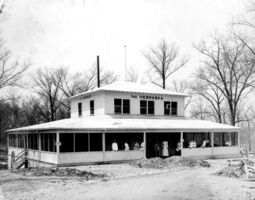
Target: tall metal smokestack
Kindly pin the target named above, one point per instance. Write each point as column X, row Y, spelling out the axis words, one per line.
column 98, row 73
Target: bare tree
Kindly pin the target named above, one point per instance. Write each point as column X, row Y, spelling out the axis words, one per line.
column 228, row 71
column 48, row 83
column 163, row 60
column 10, row 70
column 183, row 86
column 72, row 84
column 199, row 110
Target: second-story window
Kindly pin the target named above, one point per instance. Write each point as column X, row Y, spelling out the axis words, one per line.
column 143, row 107
column 151, row 107
column 91, row 104
column 167, row 107
column 80, row 109
column 126, row 106
column 170, row 108
column 121, row 106
column 146, row 107
column 117, row 106
column 174, row 108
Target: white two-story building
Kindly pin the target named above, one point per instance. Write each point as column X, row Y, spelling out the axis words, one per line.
column 143, row 120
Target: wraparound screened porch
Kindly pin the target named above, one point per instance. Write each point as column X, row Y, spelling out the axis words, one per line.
column 80, row 147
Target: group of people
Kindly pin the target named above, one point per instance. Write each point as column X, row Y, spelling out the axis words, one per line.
column 193, row 144
column 136, row 146
column 163, row 151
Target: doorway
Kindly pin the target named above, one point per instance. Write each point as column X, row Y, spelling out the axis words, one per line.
column 157, row 144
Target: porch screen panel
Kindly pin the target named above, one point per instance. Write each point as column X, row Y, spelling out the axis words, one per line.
column 67, row 142
column 96, row 142
column 21, row 141
column 201, row 139
column 121, row 138
column 48, row 142
column 234, row 138
column 81, row 142
column 12, row 140
column 225, row 139
column 52, row 142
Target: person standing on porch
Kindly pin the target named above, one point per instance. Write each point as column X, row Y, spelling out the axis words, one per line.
column 126, row 146
column 114, row 146
column 165, row 152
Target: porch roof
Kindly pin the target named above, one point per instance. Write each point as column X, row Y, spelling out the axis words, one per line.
column 123, row 122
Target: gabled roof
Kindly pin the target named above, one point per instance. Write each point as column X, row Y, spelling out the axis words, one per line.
column 131, row 87
column 121, row 122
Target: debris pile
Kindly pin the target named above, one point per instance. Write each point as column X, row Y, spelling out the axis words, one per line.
column 44, row 171
column 3, row 165
column 3, row 161
column 236, row 171
column 174, row 161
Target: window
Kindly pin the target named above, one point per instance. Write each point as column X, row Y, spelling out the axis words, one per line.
column 80, row 109
column 151, row 107
column 117, row 106
column 170, row 108
column 146, row 107
column 91, row 107
column 143, row 107
column 121, row 106
column 167, row 107
column 126, row 106
column 174, row 108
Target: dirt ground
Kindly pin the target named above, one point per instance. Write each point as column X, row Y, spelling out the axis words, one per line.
column 128, row 182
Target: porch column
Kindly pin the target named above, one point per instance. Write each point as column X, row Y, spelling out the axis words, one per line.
column 39, row 142
column 58, row 143
column 238, row 136
column 16, row 140
column 39, row 147
column 181, row 141
column 88, row 141
column 145, row 145
column 103, row 144
column 212, row 143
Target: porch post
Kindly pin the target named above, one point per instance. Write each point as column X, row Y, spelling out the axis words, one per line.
column 212, row 143
column 145, row 145
column 103, row 144
column 39, row 147
column 16, row 140
column 238, row 137
column 88, row 141
column 181, row 141
column 58, row 143
column 39, row 142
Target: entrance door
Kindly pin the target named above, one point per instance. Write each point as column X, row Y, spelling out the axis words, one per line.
column 155, row 146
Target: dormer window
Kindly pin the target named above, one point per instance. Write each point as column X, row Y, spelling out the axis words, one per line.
column 121, row 106
column 80, row 109
column 170, row 108
column 146, row 107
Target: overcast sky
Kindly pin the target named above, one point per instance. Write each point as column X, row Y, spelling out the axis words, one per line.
column 68, row 32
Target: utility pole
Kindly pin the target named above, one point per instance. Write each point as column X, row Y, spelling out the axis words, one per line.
column 125, row 47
